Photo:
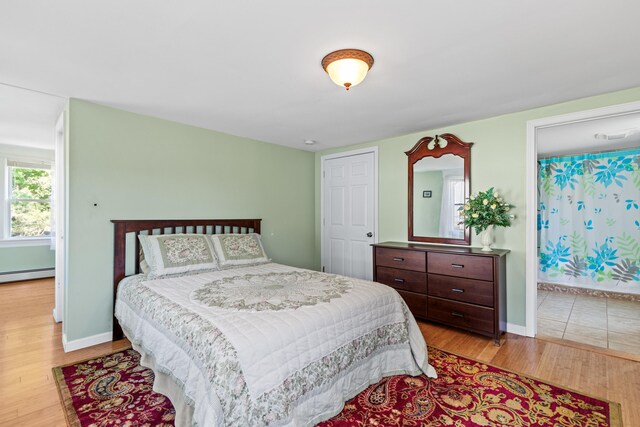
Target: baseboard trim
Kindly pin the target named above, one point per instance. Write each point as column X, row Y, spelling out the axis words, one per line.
column 15, row 276
column 84, row 342
column 56, row 316
column 516, row 329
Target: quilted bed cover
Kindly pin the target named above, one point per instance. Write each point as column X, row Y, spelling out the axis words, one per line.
column 269, row 344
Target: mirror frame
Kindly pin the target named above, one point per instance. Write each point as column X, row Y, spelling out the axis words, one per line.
column 431, row 147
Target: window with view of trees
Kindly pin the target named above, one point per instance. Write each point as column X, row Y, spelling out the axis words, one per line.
column 29, row 200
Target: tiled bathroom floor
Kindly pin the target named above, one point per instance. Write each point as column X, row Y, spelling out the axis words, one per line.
column 602, row 322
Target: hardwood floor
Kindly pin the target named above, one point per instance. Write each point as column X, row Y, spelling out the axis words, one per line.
column 31, row 344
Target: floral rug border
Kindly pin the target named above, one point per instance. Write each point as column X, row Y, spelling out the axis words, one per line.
column 615, row 408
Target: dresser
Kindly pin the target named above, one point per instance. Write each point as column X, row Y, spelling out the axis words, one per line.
column 456, row 286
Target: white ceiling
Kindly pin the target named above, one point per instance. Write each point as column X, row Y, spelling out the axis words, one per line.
column 253, row 68
column 579, row 137
column 28, row 118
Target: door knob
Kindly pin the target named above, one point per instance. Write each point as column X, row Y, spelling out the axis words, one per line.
column 369, row 234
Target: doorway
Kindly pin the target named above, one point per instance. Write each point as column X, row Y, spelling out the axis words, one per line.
column 31, row 185
column 577, row 299
column 349, row 209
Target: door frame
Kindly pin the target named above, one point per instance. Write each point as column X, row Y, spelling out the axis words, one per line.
column 351, row 153
column 531, row 195
column 60, row 221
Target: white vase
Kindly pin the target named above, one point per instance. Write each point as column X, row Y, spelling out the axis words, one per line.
column 486, row 238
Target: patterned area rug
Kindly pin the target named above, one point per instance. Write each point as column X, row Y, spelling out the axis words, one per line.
column 114, row 390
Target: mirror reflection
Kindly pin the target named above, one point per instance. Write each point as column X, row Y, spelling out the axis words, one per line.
column 438, row 192
column 439, row 178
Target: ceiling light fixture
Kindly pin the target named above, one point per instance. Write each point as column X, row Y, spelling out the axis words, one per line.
column 347, row 67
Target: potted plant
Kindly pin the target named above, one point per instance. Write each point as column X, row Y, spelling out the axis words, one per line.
column 483, row 211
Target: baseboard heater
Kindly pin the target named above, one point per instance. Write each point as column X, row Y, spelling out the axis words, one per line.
column 15, row 276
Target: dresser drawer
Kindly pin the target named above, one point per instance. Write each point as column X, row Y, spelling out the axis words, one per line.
column 417, row 303
column 468, row 316
column 398, row 258
column 465, row 290
column 469, row 266
column 407, row 280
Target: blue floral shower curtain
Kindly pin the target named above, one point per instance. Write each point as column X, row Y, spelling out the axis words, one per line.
column 589, row 220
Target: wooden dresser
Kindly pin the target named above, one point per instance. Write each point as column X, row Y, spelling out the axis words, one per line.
column 457, row 286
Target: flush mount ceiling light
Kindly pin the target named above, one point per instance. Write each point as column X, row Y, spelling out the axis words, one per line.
column 347, row 67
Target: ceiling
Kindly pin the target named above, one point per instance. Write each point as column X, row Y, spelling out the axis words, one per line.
column 28, row 118
column 579, row 137
column 253, row 68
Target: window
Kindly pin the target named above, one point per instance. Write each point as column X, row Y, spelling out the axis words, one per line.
column 29, row 200
column 457, row 188
column 451, row 225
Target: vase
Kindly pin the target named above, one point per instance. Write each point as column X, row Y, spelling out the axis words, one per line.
column 486, row 238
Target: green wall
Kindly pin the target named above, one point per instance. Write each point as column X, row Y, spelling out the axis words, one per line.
column 426, row 217
column 24, row 258
column 135, row 166
column 498, row 160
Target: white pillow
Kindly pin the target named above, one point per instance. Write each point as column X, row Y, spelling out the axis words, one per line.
column 144, row 267
column 177, row 253
column 238, row 249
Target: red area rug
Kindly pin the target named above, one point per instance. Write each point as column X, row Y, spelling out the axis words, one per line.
column 114, row 390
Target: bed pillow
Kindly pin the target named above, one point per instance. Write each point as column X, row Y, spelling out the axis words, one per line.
column 238, row 249
column 177, row 253
column 144, row 267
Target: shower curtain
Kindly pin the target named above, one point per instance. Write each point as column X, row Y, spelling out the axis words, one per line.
column 589, row 220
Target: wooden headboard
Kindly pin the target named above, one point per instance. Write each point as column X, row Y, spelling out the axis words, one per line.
column 164, row 226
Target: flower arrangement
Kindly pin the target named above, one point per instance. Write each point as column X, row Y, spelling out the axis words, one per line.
column 484, row 209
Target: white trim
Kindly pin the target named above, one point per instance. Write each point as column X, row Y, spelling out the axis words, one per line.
column 25, row 241
column 517, row 329
column 26, row 275
column 531, row 233
column 58, row 215
column 323, row 159
column 85, row 342
column 531, row 197
column 56, row 317
column 7, row 162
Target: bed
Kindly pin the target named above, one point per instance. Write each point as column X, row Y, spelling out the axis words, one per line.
column 237, row 340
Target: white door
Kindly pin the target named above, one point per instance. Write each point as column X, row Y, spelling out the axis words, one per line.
column 349, row 214
column 58, row 204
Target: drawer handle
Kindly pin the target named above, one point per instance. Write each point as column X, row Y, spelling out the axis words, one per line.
column 456, row 314
column 457, row 265
column 457, row 290
column 398, row 280
column 398, row 259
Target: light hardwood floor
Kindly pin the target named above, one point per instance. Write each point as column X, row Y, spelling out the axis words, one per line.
column 30, row 345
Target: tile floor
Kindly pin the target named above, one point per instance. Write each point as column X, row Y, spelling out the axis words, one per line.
column 602, row 322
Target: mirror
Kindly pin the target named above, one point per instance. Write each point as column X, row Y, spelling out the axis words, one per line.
column 439, row 183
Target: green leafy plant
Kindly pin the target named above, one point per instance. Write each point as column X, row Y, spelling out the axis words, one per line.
column 484, row 209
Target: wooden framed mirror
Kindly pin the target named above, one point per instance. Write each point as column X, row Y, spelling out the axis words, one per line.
column 439, row 183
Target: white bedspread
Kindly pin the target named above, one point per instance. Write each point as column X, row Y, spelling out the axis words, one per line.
column 255, row 346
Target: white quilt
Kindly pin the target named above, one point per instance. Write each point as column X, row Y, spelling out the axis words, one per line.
column 270, row 344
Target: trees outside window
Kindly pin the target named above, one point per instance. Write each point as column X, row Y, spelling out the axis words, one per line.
column 29, row 201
